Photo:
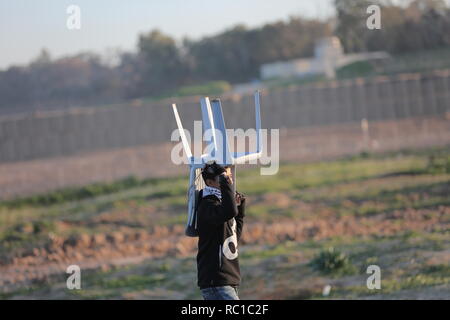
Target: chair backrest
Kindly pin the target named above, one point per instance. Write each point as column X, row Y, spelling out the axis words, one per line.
column 222, row 154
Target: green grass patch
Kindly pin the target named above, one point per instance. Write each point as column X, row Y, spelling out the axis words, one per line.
column 74, row 194
column 331, row 261
column 133, row 282
column 212, row 88
column 356, row 69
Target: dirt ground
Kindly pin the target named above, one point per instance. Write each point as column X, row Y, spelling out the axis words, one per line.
column 102, row 251
column 390, row 210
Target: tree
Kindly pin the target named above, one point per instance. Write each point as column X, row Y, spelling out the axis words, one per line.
column 418, row 25
column 237, row 54
column 351, row 28
column 162, row 67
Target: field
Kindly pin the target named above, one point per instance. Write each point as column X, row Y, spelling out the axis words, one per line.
column 312, row 225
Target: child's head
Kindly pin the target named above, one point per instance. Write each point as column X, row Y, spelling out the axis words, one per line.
column 211, row 173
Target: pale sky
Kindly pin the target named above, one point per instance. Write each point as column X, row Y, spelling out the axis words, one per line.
column 27, row 26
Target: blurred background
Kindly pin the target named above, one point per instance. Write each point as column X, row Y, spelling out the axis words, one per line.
column 85, row 123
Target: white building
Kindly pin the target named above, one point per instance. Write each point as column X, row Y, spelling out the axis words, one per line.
column 328, row 56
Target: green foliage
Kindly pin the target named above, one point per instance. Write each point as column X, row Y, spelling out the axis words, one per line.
column 210, row 88
column 438, row 164
column 425, row 22
column 131, row 281
column 236, row 55
column 356, row 69
column 417, row 61
column 73, row 194
column 162, row 67
column 438, row 269
column 350, row 28
column 288, row 82
column 282, row 249
column 332, row 261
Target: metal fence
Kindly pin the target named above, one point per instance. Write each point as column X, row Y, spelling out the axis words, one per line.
column 62, row 133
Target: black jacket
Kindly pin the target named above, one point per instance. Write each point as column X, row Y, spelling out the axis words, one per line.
column 219, row 225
